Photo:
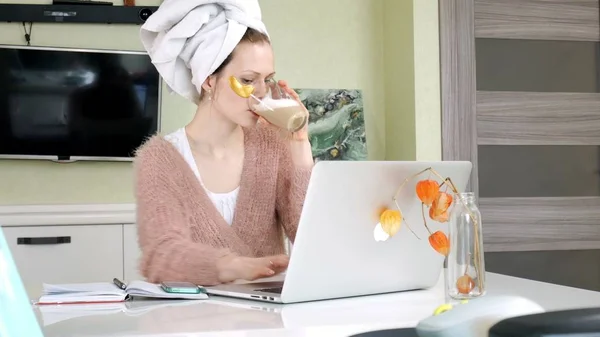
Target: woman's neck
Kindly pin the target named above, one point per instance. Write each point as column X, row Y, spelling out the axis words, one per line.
column 212, row 133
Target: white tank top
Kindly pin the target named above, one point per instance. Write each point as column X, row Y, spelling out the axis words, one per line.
column 224, row 202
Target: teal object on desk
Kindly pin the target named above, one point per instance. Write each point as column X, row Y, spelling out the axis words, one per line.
column 16, row 313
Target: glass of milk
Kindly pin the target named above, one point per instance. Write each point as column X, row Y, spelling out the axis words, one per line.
column 279, row 108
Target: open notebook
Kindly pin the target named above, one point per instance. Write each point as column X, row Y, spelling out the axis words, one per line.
column 106, row 292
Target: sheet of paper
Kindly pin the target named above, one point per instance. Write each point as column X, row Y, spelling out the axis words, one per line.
column 97, row 288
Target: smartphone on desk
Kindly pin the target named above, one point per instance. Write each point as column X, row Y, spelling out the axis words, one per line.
column 180, row 288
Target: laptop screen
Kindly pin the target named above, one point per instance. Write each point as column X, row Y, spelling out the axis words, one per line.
column 16, row 312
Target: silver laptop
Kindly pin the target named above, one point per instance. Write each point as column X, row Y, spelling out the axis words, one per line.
column 335, row 253
column 16, row 312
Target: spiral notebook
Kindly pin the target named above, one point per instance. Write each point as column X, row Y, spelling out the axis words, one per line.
column 107, row 292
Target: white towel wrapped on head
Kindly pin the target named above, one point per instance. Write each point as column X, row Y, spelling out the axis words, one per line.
column 187, row 40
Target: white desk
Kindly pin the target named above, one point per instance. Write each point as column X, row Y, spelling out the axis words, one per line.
column 223, row 317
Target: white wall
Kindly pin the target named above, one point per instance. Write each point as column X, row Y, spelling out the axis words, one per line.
column 318, row 44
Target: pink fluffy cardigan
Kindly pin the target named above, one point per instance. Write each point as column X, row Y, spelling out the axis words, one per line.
column 180, row 232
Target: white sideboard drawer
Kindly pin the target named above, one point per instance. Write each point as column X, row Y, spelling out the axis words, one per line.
column 131, row 253
column 66, row 254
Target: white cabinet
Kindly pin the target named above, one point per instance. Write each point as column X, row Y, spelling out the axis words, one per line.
column 71, row 243
column 66, row 254
column 131, row 253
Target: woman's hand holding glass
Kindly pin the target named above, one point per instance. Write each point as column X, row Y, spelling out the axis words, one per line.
column 276, row 104
column 302, row 134
column 281, row 107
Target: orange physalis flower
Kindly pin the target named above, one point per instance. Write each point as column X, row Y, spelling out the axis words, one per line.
column 439, row 241
column 427, row 191
column 443, row 217
column 390, row 221
column 440, row 205
column 465, row 284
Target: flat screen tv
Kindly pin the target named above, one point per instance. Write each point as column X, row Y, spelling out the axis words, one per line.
column 72, row 104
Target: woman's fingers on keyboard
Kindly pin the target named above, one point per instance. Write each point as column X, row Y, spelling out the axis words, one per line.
column 279, row 261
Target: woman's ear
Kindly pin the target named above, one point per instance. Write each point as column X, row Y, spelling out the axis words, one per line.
column 209, row 83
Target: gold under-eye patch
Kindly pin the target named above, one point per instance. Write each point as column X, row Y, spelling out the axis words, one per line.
column 241, row 90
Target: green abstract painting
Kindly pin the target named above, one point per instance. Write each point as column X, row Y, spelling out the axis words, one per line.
column 336, row 124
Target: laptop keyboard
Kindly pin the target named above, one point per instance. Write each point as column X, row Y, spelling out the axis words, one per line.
column 276, row 290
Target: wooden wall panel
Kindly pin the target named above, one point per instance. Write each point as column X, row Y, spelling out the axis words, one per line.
column 529, row 118
column 519, row 118
column 575, row 20
column 572, row 268
column 528, row 224
column 457, row 64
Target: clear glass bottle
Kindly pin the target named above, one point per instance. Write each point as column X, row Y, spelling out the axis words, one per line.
column 465, row 274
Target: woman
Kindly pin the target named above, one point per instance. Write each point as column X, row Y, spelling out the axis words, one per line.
column 215, row 198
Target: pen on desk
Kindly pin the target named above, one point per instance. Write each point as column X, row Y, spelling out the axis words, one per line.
column 119, row 284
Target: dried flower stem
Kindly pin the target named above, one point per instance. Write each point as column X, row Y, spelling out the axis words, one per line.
column 468, row 258
column 478, row 270
column 448, row 182
column 395, row 197
column 424, row 220
column 404, row 220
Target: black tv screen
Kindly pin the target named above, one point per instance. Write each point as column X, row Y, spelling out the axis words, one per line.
column 68, row 104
